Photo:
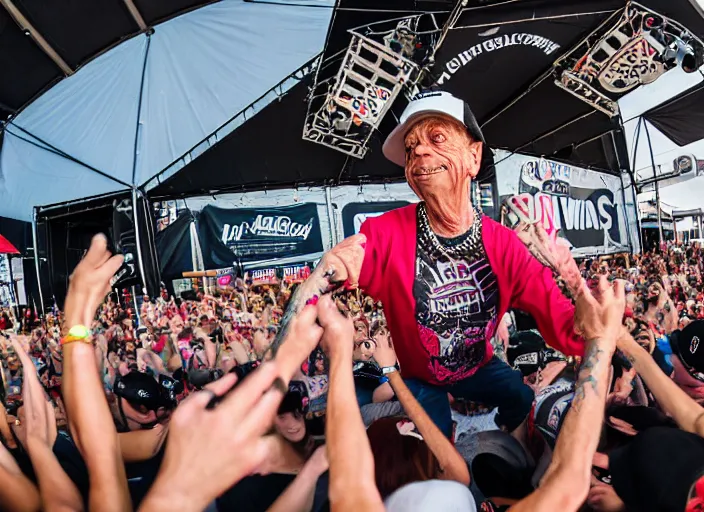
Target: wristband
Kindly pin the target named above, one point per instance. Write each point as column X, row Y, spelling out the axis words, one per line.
column 389, row 369
column 77, row 333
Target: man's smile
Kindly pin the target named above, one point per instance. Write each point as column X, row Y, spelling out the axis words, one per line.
column 428, row 171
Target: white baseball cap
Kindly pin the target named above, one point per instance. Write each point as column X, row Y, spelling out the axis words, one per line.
column 428, row 104
column 431, row 496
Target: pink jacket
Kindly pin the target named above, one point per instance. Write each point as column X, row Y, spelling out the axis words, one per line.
column 388, row 273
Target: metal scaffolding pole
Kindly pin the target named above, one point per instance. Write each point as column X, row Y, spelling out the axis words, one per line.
column 36, row 260
column 657, row 186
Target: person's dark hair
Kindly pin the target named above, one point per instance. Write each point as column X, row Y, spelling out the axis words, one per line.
column 185, row 334
column 295, row 400
column 399, row 459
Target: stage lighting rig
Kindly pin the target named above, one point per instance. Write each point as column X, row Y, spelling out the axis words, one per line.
column 634, row 47
column 374, row 69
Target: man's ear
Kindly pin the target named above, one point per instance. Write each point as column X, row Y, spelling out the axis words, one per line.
column 475, row 155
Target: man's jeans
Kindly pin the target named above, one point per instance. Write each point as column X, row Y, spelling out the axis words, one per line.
column 494, row 385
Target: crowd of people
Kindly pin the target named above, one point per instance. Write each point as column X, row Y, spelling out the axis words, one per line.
column 150, row 359
column 484, row 369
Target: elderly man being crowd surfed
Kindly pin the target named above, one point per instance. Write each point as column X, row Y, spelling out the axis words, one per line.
column 445, row 273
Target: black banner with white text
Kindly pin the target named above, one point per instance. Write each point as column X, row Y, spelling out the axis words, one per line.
column 233, row 236
column 354, row 214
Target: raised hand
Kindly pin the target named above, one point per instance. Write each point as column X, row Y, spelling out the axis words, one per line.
column 600, row 318
column 384, row 354
column 39, row 423
column 304, row 334
column 90, row 283
column 211, row 448
column 39, row 420
column 341, row 265
column 338, row 329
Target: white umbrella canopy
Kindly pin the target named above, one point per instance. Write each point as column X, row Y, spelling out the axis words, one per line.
column 130, row 113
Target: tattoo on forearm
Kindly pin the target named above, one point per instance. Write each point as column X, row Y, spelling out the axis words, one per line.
column 319, row 284
column 586, row 379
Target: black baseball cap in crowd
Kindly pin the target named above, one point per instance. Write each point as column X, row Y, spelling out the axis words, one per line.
column 655, row 471
column 429, row 104
column 140, row 389
column 688, row 344
column 524, row 351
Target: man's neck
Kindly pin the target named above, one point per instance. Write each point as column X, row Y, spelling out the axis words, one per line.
column 449, row 223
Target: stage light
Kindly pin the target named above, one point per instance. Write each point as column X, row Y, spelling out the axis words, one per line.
column 623, row 53
column 686, row 58
column 345, row 110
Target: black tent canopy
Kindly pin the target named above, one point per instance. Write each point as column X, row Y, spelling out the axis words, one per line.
column 511, row 90
column 681, row 118
column 44, row 41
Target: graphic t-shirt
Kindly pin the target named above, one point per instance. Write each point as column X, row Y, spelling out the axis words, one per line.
column 457, row 299
column 551, row 406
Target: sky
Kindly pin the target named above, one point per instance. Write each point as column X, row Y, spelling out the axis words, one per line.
column 689, row 194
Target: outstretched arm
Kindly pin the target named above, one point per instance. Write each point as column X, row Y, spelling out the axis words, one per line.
column 340, row 265
column 687, row 413
column 300, row 494
column 452, row 465
column 89, row 416
column 566, row 482
column 352, row 485
column 534, row 290
column 55, row 487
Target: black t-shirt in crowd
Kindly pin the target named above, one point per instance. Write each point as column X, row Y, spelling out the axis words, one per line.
column 656, row 470
column 366, row 375
column 140, row 475
column 72, row 463
column 257, row 493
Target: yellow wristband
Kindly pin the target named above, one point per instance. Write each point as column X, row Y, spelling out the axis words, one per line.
column 72, row 339
column 77, row 333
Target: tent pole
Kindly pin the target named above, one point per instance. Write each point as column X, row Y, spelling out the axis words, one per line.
column 13, row 286
column 28, row 28
column 36, row 258
column 657, row 186
column 136, row 235
column 331, row 216
column 136, row 308
column 136, row 15
column 196, row 254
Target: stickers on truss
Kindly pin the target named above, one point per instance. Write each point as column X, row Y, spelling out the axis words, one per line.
column 617, row 57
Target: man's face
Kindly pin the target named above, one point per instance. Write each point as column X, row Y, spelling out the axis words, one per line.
column 440, row 156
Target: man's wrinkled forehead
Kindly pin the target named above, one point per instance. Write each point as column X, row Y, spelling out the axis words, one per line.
column 432, row 121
